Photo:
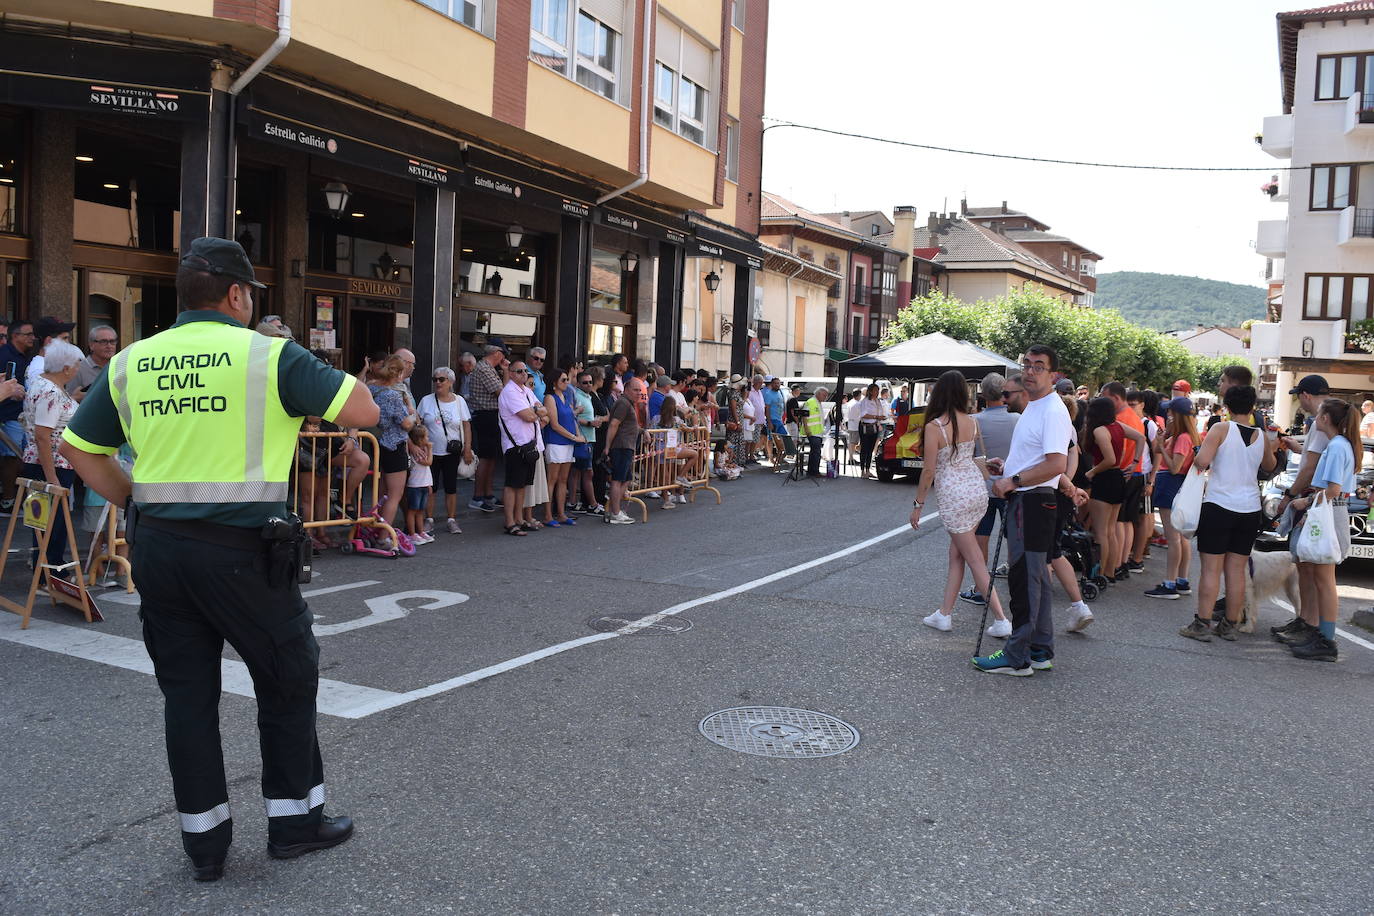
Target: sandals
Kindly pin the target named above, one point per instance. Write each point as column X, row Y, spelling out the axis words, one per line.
column 530, row 526
column 565, row 522
column 515, row 531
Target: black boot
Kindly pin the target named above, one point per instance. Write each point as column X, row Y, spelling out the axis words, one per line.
column 331, row 831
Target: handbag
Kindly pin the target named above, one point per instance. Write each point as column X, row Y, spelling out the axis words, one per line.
column 448, row 440
column 1188, row 503
column 1317, row 540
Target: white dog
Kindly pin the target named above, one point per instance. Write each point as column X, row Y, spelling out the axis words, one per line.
column 1267, row 574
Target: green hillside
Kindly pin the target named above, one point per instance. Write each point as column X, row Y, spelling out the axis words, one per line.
column 1168, row 302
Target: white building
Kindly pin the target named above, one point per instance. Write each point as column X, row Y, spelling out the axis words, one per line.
column 1323, row 251
column 1214, row 341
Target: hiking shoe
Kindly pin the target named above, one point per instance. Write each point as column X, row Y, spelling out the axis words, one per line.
column 938, row 621
column 1226, row 630
column 620, row 518
column 1182, row 587
column 1079, row 617
column 1299, row 636
column 1134, row 567
column 972, row 596
column 1316, row 649
column 1000, row 629
column 1165, row 590
column 1296, row 625
column 452, row 525
column 1197, row 629
column 1041, row 660
column 998, row 663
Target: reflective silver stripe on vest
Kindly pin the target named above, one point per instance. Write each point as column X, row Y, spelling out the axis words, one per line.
column 255, row 407
column 249, row 491
column 286, row 807
column 205, row 820
column 119, row 377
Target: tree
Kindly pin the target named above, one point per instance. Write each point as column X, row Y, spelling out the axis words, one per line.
column 1207, row 370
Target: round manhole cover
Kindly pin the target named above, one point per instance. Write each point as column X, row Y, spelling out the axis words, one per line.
column 779, row 731
column 664, row 626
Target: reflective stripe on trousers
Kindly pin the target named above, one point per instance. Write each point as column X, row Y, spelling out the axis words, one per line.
column 205, row 820
column 286, row 807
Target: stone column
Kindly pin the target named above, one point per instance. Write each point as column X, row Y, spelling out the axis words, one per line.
column 52, row 214
column 431, row 314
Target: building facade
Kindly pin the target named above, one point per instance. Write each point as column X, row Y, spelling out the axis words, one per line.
column 1321, row 249
column 402, row 173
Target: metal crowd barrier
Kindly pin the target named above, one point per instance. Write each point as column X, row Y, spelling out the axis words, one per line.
column 657, row 467
column 318, row 451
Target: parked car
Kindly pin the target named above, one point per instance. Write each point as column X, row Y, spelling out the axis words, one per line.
column 1361, row 531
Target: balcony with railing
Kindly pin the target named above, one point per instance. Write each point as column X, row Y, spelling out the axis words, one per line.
column 860, row 295
column 1271, row 238
column 860, row 344
column 1359, row 114
column 1277, row 139
column 1355, row 228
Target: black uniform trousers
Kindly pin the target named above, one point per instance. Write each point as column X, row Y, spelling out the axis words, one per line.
column 195, row 595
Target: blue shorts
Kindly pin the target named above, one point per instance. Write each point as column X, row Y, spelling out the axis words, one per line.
column 777, row 428
column 417, row 497
column 995, row 505
column 15, row 430
column 1166, row 488
column 622, row 463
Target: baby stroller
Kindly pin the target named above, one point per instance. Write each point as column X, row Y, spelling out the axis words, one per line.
column 372, row 540
column 1077, row 544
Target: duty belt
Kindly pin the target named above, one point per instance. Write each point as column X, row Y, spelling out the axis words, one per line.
column 230, row 536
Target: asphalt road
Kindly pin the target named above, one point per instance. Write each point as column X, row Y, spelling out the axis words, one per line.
column 1145, row 773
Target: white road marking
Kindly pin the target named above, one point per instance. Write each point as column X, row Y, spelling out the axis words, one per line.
column 1355, row 639
column 388, row 607
column 339, row 588
column 336, row 698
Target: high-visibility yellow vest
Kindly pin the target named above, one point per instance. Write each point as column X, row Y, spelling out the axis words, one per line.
column 813, row 424
column 199, row 405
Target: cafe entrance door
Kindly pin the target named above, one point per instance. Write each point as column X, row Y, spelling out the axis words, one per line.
column 369, row 328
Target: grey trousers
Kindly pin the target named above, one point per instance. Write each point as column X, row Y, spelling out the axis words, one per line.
column 1031, row 520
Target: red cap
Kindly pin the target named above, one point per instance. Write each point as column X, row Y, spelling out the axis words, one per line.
column 1182, row 385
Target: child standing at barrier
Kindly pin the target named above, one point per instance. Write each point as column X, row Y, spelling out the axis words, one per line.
column 418, row 484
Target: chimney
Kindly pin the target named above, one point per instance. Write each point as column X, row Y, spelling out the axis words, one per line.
column 904, row 239
column 963, row 205
column 1004, row 206
column 846, row 221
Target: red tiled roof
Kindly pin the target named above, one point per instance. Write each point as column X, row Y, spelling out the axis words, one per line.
column 1355, row 6
column 1289, row 24
column 772, row 207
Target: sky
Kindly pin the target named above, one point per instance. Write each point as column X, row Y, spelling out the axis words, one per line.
column 1163, row 83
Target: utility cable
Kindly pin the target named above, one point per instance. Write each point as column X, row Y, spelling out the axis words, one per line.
column 969, row 152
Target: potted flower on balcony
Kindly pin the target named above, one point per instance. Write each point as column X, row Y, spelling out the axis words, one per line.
column 1360, row 337
column 1271, row 187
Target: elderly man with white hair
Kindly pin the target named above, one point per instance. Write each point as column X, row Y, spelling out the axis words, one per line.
column 47, row 410
column 534, row 364
column 466, row 363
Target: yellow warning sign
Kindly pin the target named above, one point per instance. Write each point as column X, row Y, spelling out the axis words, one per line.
column 38, row 511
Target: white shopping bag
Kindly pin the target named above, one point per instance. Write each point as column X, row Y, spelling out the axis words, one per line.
column 1317, row 540
column 1188, row 503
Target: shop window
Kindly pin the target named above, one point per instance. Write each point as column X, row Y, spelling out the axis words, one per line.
column 146, row 305
column 11, row 173
column 605, row 340
column 372, row 237
column 128, row 190
column 490, row 266
column 253, row 211
column 476, row 326
column 606, row 284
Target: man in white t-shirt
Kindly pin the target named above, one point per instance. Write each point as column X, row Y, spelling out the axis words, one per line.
column 1038, row 456
column 1311, row 391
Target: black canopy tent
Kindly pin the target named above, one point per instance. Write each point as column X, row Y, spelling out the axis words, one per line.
column 920, row 359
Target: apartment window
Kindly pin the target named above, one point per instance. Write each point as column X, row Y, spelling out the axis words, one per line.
column 1063, row 258
column 732, row 149
column 468, row 12
column 874, row 229
column 1340, row 75
column 1337, row 297
column 585, row 32
column 682, row 81
column 1332, row 187
column 764, row 331
column 738, row 10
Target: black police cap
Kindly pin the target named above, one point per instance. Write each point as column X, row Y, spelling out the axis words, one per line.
column 224, row 257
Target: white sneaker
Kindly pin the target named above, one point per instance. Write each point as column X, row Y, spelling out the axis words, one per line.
column 654, row 494
column 1079, row 617
column 1000, row 628
column 942, row 622
column 1000, row 572
column 620, row 518
column 429, row 525
column 681, row 499
column 668, row 502
column 453, row 526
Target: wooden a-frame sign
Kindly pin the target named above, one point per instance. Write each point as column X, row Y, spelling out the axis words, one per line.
column 28, row 504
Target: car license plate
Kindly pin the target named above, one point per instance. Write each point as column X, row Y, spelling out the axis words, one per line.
column 1362, row 551
column 911, row 462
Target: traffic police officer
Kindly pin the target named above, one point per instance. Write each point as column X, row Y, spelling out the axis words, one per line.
column 212, row 411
